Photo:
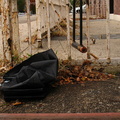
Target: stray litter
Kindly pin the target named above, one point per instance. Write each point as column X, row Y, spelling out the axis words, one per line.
column 32, row 78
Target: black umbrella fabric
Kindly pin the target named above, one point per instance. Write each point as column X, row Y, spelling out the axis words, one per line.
column 31, row 78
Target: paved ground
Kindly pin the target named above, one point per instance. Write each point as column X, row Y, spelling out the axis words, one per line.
column 102, row 96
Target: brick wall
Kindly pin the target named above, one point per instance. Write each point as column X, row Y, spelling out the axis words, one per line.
column 117, row 7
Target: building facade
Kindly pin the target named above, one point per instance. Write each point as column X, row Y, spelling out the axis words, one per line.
column 115, row 9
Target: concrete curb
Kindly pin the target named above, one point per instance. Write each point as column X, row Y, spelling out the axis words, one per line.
column 101, row 61
column 60, row 116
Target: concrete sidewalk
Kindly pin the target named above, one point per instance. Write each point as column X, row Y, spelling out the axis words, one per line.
column 61, row 116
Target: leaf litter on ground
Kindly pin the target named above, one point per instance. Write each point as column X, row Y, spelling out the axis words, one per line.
column 75, row 74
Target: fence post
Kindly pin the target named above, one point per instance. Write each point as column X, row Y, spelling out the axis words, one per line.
column 101, row 6
column 68, row 29
column 48, row 23
column 98, row 8
column 5, row 12
column 88, row 31
column 0, row 6
column 14, row 26
column 108, row 27
column 38, row 17
column 104, row 8
column 93, row 8
column 29, row 24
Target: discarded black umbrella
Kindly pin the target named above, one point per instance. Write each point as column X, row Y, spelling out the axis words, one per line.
column 31, row 78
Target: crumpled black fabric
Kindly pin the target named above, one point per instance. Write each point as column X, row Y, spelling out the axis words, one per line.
column 32, row 77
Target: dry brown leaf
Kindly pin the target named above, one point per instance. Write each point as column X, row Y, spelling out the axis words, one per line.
column 76, row 68
column 89, row 68
column 78, row 79
column 17, row 103
column 72, row 74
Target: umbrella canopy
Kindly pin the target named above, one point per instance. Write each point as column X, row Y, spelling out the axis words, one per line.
column 32, row 77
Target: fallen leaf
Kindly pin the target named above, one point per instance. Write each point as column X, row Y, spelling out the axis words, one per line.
column 74, row 74
column 17, row 103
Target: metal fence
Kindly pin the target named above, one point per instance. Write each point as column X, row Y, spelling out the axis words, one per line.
column 17, row 41
column 101, row 35
column 49, row 13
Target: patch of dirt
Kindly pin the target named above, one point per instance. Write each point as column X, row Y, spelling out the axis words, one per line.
column 85, row 96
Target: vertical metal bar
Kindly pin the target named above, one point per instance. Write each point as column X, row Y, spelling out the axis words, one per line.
column 81, row 24
column 104, row 8
column 74, row 15
column 101, row 9
column 38, row 23
column 108, row 27
column 90, row 7
column 14, row 29
column 29, row 24
column 92, row 4
column 98, row 9
column 48, row 23
column 6, row 42
column 88, row 30
column 60, row 2
column 68, row 29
